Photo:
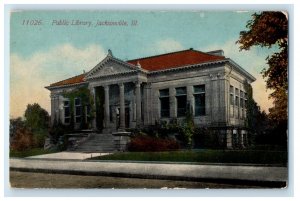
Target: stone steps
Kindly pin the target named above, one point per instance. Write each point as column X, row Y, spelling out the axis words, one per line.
column 97, row 143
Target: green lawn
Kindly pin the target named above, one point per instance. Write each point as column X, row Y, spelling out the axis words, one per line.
column 204, row 156
column 31, row 152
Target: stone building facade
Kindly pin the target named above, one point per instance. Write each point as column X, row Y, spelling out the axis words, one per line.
column 144, row 91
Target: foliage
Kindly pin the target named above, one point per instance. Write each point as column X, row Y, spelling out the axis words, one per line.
column 268, row 29
column 14, row 125
column 36, row 118
column 86, row 100
column 161, row 129
column 205, row 156
column 187, row 130
column 278, row 113
column 149, row 144
column 57, row 131
column 39, row 137
column 183, row 132
column 31, row 132
column 256, row 120
column 207, row 138
column 23, row 140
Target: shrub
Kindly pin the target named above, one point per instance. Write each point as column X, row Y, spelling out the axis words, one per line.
column 57, row 131
column 148, row 144
column 14, row 126
column 23, row 140
column 39, row 137
column 207, row 138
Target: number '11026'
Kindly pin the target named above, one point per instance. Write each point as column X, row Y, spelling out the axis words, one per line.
column 32, row 22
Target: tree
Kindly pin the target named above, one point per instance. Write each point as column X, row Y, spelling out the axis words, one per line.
column 256, row 120
column 269, row 29
column 14, row 126
column 36, row 118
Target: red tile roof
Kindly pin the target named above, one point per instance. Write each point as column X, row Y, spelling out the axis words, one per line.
column 158, row 62
column 175, row 59
column 73, row 80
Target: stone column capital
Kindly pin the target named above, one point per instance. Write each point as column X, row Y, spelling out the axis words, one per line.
column 106, row 87
column 138, row 84
column 53, row 96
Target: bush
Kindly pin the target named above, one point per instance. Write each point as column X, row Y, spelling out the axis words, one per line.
column 23, row 140
column 57, row 131
column 207, row 138
column 148, row 144
column 39, row 137
column 14, row 126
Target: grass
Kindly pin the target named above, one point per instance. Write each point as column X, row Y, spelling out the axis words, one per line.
column 204, row 156
column 31, row 152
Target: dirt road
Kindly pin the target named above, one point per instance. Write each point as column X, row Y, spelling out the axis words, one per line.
column 42, row 180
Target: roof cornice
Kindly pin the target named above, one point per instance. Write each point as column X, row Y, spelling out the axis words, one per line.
column 240, row 69
column 65, row 86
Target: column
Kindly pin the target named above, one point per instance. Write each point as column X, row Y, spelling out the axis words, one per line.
column 173, row 109
column 190, row 99
column 52, row 97
column 229, row 139
column 241, row 133
column 122, row 107
column 106, row 114
column 147, row 101
column 138, row 104
column 93, row 92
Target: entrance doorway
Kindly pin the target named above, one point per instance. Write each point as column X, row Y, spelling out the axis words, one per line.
column 127, row 117
column 99, row 98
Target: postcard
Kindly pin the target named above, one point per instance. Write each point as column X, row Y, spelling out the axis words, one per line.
column 156, row 99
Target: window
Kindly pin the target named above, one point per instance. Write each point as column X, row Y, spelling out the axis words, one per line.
column 242, row 99
column 78, row 110
column 242, row 102
column 87, row 113
column 237, row 97
column 199, row 96
column 67, row 113
column 245, row 99
column 181, row 101
column 164, row 103
column 231, row 96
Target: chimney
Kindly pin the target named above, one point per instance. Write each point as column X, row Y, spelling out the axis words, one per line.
column 138, row 65
column 216, row 52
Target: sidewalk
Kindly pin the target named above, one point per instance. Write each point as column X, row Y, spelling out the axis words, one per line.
column 68, row 155
column 267, row 176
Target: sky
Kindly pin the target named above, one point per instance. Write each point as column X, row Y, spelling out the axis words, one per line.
column 49, row 46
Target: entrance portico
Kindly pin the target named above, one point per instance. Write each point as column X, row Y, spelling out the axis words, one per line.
column 121, row 106
column 123, row 87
